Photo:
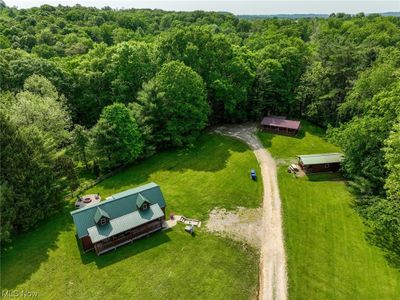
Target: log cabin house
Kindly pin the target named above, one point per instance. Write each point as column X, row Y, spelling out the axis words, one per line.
column 278, row 124
column 325, row 162
column 120, row 219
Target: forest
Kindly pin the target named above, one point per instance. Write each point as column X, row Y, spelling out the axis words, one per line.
column 91, row 90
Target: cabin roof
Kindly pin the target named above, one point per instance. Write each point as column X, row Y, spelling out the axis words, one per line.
column 99, row 214
column 323, row 158
column 280, row 122
column 125, row 222
column 141, row 200
column 116, row 206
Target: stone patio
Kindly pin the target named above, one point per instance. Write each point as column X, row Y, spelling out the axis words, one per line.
column 87, row 200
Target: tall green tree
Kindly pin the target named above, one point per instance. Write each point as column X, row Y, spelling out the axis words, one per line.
column 115, row 140
column 384, row 73
column 392, row 158
column 39, row 105
column 133, row 63
column 266, row 97
column 30, row 187
column 19, row 65
column 225, row 68
column 79, row 144
column 174, row 105
column 91, row 90
column 362, row 140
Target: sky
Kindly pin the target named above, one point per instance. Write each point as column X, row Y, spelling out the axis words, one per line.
column 258, row 7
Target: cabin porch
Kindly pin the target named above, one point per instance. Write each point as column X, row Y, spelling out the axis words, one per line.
column 128, row 236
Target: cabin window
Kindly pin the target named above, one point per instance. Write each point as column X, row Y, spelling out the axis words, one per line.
column 103, row 221
column 327, row 166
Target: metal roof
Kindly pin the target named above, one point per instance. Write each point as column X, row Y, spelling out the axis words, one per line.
column 323, row 158
column 125, row 222
column 116, row 206
column 100, row 213
column 280, row 122
column 141, row 200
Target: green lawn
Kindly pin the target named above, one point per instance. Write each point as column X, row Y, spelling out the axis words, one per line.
column 328, row 255
column 310, row 140
column 165, row 265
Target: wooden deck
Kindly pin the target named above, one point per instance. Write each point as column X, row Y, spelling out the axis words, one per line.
column 126, row 237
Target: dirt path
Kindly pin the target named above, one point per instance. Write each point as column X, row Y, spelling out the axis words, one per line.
column 242, row 224
column 273, row 276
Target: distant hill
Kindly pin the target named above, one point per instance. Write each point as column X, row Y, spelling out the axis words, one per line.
column 391, row 13
column 282, row 16
column 300, row 16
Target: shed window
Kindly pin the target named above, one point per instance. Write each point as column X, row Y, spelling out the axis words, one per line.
column 327, row 166
column 145, row 206
column 103, row 221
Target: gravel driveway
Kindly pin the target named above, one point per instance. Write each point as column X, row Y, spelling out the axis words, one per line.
column 273, row 276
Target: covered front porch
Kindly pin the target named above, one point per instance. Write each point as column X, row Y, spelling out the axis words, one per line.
column 127, row 236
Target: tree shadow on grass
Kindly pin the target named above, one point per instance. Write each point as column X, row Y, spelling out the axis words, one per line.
column 391, row 249
column 310, row 128
column 328, row 176
column 306, row 128
column 209, row 154
column 28, row 251
column 375, row 234
column 267, row 137
column 128, row 250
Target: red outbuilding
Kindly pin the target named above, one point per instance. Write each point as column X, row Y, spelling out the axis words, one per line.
column 280, row 125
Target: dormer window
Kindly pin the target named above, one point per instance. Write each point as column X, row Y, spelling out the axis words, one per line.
column 101, row 217
column 142, row 203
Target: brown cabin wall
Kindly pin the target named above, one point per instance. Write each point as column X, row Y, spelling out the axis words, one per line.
column 280, row 130
column 332, row 167
column 87, row 243
column 128, row 236
column 163, row 210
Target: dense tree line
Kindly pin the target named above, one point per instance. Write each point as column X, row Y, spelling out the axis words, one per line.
column 100, row 88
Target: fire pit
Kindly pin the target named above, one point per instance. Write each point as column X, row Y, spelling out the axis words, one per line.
column 87, row 200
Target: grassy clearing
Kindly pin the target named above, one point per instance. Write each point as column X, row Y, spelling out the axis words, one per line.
column 328, row 255
column 196, row 180
column 168, row 264
column 310, row 140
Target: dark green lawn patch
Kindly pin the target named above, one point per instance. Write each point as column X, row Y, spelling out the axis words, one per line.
column 29, row 250
column 329, row 176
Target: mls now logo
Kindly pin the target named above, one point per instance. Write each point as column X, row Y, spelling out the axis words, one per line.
column 18, row 294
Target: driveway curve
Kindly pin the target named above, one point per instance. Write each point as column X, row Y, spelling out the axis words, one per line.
column 273, row 275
